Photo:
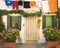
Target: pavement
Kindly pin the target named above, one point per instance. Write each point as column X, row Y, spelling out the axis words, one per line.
column 42, row 45
column 31, row 46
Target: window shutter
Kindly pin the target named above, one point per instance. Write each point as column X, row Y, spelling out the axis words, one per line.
column 44, row 21
column 19, row 22
column 59, row 23
column 54, row 21
column 8, row 21
column 48, row 21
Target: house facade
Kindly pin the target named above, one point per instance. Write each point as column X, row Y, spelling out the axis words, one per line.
column 30, row 31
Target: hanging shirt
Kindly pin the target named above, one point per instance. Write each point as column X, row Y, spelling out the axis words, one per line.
column 26, row 4
column 20, row 3
column 45, row 7
column 8, row 2
column 32, row 3
column 15, row 4
column 38, row 3
column 53, row 5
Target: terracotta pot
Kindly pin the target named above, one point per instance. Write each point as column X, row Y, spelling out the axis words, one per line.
column 0, row 41
column 52, row 44
column 59, row 41
column 9, row 45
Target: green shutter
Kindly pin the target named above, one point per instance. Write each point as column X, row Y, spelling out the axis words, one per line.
column 58, row 23
column 48, row 21
column 44, row 22
column 54, row 21
column 19, row 22
column 8, row 21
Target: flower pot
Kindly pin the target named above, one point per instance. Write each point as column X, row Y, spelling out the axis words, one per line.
column 59, row 41
column 0, row 41
column 9, row 45
column 52, row 44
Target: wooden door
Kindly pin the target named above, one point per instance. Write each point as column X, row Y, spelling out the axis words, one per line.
column 31, row 30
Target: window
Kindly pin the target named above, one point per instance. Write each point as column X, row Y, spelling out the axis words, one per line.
column 49, row 21
column 14, row 21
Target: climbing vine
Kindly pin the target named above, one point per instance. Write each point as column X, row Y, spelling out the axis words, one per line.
column 22, row 12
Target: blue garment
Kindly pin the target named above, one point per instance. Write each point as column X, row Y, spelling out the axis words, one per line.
column 8, row 2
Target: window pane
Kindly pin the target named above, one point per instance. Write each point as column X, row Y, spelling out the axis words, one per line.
column 14, row 21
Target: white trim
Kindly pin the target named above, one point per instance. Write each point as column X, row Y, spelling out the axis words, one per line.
column 4, row 18
column 22, row 33
column 42, row 38
column 49, row 14
column 14, row 14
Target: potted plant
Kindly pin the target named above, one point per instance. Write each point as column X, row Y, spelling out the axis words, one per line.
column 58, row 33
column 2, row 27
column 9, row 37
column 51, row 37
column 1, row 37
column 59, row 36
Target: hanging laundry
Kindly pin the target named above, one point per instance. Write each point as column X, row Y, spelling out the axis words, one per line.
column 53, row 5
column 38, row 3
column 50, row 6
column 58, row 0
column 45, row 6
column 15, row 4
column 32, row 3
column 26, row 4
column 8, row 2
column 20, row 3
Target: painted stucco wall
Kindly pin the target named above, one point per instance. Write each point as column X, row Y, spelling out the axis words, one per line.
column 22, row 32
